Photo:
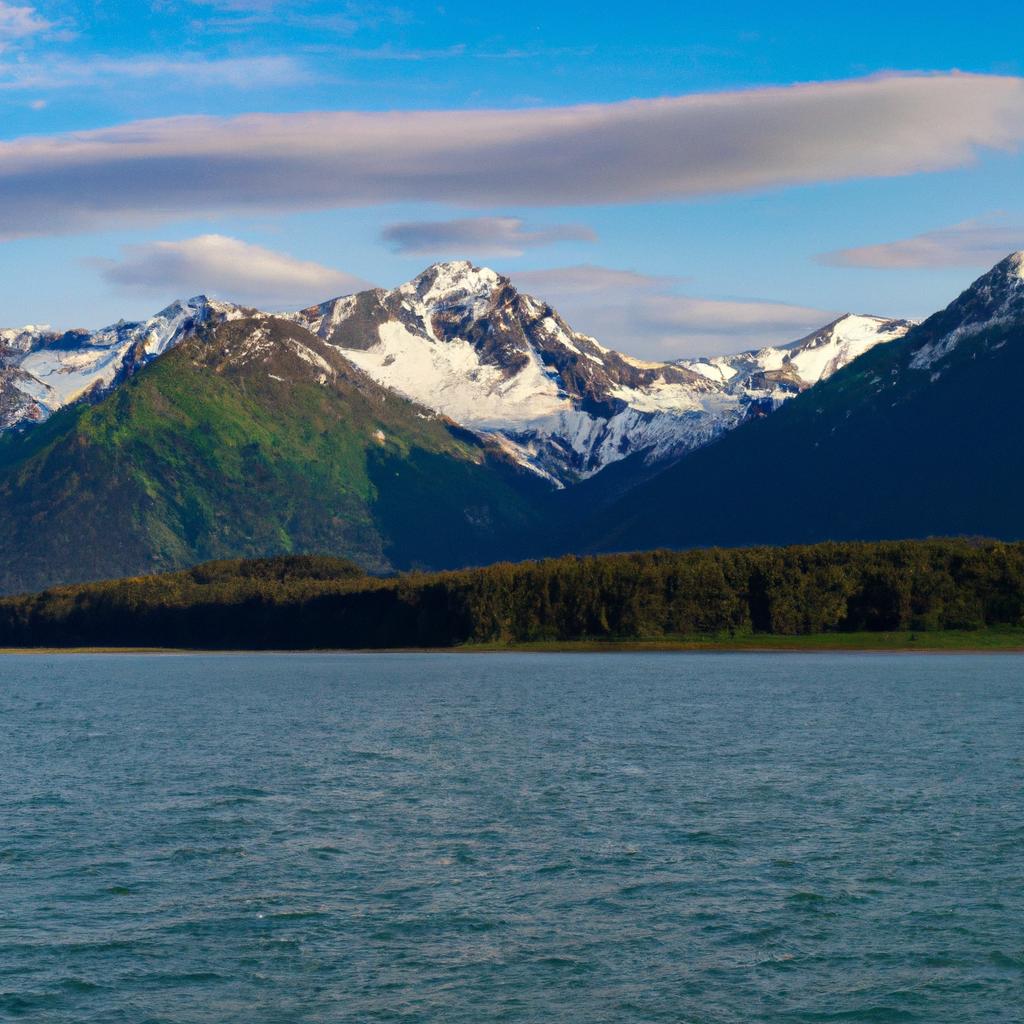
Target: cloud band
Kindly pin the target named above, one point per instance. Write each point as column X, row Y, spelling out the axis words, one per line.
column 635, row 151
column 973, row 243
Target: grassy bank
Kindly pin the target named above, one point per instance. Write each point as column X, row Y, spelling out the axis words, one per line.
column 951, row 641
column 1010, row 640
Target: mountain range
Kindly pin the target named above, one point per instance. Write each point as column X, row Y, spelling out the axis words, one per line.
column 455, row 420
column 463, row 342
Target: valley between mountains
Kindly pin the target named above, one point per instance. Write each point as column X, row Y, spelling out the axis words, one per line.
column 455, row 420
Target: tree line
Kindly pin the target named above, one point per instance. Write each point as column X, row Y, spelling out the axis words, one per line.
column 302, row 602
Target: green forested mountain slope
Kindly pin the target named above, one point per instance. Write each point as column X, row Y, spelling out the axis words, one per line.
column 254, row 438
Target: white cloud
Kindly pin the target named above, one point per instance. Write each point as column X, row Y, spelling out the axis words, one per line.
column 227, row 268
column 479, row 236
column 972, row 243
column 19, row 23
column 635, row 151
column 644, row 315
column 189, row 70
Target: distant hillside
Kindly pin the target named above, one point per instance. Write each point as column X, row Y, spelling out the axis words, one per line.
column 324, row 603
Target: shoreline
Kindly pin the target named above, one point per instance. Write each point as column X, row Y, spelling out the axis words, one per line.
column 945, row 642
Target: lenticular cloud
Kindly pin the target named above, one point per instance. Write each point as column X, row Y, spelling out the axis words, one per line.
column 633, row 151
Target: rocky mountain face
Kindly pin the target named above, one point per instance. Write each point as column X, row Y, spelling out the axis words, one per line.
column 914, row 439
column 993, row 302
column 463, row 342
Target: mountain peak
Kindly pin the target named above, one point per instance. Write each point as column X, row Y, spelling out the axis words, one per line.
column 1009, row 270
column 852, row 332
column 453, row 282
column 196, row 304
column 995, row 301
column 460, row 340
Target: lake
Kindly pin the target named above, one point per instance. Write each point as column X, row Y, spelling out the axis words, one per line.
column 512, row 837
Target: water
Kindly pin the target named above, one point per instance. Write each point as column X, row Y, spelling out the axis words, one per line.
column 453, row 838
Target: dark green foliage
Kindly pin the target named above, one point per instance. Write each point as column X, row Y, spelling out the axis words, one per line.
column 309, row 602
column 436, row 511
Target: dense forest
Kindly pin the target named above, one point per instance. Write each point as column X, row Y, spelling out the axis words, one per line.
column 318, row 602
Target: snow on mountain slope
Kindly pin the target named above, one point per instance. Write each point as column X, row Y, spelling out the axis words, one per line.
column 996, row 298
column 41, row 371
column 462, row 341
column 810, row 359
column 450, row 377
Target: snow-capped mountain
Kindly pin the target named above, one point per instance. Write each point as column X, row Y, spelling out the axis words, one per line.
column 42, row 370
column 803, row 363
column 463, row 342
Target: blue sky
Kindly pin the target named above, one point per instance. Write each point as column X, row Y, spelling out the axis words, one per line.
column 799, row 165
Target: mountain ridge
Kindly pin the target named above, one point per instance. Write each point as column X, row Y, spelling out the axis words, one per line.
column 464, row 342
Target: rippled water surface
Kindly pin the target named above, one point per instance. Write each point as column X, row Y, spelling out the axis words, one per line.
column 551, row 838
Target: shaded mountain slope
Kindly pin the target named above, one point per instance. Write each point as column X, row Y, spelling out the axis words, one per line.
column 916, row 438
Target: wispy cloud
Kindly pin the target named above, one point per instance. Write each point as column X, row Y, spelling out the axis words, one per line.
column 479, row 236
column 228, row 268
column 972, row 243
column 695, row 145
column 20, row 23
column 586, row 279
column 192, row 71
column 345, row 19
column 645, row 314
column 536, row 52
column 388, row 52
column 242, row 6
